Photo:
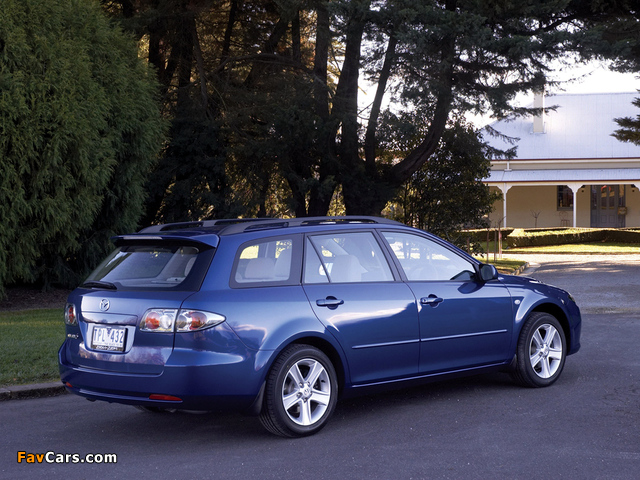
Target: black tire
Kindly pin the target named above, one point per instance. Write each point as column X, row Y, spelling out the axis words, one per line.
column 304, row 378
column 541, row 351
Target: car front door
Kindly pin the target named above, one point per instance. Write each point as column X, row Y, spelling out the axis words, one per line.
column 352, row 291
column 464, row 322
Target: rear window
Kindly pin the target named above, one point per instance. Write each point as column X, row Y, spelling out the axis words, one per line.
column 153, row 267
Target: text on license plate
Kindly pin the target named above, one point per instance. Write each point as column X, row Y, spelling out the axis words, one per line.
column 108, row 338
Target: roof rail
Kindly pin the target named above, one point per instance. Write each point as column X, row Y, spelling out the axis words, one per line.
column 196, row 224
column 272, row 223
column 345, row 219
column 230, row 226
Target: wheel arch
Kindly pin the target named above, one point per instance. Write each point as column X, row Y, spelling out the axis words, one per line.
column 559, row 314
column 289, row 406
column 330, row 351
column 270, row 358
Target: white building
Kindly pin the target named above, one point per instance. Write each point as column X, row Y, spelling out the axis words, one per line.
column 569, row 170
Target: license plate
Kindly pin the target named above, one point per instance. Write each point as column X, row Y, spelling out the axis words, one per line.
column 110, row 339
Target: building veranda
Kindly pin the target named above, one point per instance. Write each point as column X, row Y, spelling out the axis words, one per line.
column 569, row 171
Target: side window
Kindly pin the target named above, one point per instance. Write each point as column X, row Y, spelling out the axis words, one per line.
column 425, row 260
column 263, row 261
column 345, row 258
column 314, row 269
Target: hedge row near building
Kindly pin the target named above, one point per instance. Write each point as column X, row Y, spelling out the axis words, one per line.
column 558, row 236
column 535, row 237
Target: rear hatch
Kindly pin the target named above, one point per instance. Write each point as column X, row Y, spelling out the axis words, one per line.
column 122, row 318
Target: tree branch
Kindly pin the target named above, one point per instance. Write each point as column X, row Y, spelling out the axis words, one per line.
column 370, row 136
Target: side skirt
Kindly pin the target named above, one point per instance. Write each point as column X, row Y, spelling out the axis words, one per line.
column 367, row 388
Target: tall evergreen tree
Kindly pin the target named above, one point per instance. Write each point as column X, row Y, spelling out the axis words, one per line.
column 611, row 33
column 256, row 66
column 79, row 130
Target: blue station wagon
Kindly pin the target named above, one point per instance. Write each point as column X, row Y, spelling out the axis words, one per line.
column 280, row 317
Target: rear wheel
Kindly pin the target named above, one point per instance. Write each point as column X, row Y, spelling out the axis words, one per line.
column 541, row 353
column 301, row 392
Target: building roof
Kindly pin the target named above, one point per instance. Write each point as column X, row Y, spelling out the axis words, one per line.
column 580, row 127
column 555, row 177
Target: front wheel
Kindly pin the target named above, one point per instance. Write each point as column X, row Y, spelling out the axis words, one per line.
column 541, row 353
column 301, row 392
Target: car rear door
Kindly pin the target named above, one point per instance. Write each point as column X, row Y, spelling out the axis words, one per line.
column 353, row 292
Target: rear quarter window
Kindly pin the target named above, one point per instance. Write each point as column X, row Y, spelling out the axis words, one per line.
column 267, row 262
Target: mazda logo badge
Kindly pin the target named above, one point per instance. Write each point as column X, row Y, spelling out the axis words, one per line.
column 104, row 305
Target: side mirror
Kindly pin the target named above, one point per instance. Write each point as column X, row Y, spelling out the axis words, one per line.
column 487, row 272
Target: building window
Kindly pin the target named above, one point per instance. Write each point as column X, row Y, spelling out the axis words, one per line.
column 565, row 198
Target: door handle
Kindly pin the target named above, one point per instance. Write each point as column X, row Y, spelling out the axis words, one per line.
column 432, row 300
column 330, row 302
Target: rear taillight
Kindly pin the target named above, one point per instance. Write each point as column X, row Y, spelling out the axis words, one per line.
column 70, row 317
column 159, row 320
column 192, row 320
column 169, row 320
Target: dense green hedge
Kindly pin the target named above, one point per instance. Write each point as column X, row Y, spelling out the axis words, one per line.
column 558, row 236
column 535, row 237
column 80, row 128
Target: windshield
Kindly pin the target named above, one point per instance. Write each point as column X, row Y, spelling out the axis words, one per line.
column 145, row 266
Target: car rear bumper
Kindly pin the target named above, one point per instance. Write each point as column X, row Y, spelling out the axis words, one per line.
column 208, row 382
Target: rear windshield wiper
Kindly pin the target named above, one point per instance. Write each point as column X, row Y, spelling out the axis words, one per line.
column 99, row 284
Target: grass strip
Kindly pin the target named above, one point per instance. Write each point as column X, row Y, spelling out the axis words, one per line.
column 29, row 343
column 506, row 265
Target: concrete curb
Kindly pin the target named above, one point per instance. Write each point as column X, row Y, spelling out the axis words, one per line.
column 37, row 390
column 521, row 269
column 517, row 271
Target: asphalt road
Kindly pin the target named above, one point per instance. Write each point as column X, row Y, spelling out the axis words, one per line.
column 600, row 283
column 586, row 426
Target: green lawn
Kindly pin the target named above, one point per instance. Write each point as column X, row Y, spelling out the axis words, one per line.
column 507, row 266
column 29, row 342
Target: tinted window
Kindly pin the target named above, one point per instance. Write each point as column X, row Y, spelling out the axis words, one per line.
column 143, row 266
column 264, row 261
column 345, row 258
column 424, row 259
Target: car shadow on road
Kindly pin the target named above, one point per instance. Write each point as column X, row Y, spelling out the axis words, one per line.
column 351, row 413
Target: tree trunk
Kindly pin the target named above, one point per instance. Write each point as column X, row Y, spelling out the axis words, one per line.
column 322, row 191
column 356, row 185
column 226, row 43
column 372, row 125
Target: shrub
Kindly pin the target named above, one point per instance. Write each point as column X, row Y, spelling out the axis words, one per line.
column 79, row 130
column 557, row 236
